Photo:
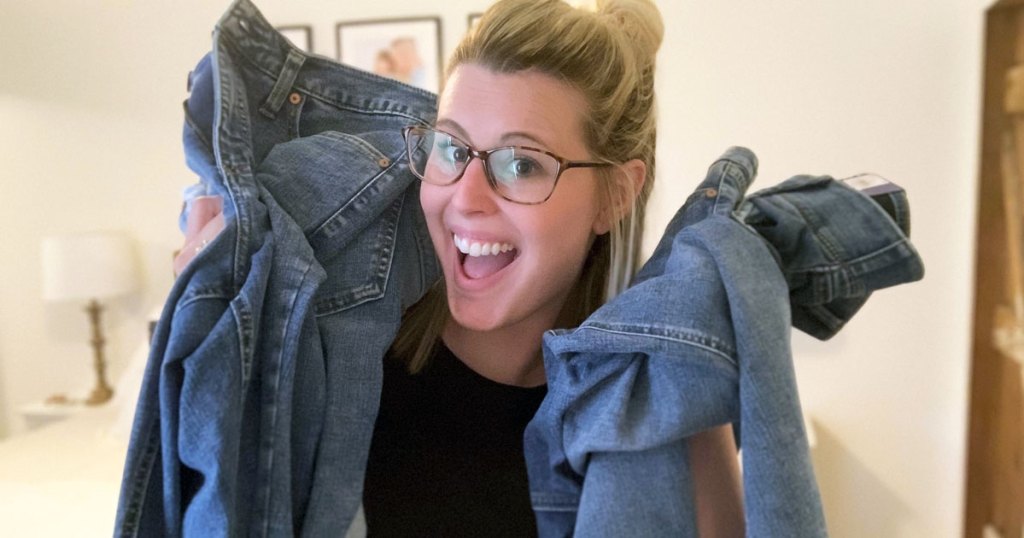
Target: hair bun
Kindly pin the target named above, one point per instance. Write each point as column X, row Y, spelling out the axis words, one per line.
column 639, row 20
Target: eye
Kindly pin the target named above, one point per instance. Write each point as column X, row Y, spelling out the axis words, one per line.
column 452, row 152
column 517, row 165
column 524, row 167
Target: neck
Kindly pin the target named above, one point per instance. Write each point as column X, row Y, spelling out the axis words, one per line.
column 509, row 355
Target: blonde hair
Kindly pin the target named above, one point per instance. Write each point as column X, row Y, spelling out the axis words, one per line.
column 607, row 53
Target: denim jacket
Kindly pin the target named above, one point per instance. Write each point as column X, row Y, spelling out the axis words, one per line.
column 263, row 382
column 701, row 339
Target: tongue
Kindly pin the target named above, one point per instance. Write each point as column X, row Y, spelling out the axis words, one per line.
column 483, row 266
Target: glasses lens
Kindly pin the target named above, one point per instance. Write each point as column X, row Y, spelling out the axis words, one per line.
column 523, row 175
column 435, row 157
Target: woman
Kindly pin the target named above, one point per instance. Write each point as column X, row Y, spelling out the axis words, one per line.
column 535, row 178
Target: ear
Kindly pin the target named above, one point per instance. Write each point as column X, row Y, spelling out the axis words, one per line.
column 628, row 181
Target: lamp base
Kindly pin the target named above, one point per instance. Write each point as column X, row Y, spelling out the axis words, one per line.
column 102, row 392
column 99, row 395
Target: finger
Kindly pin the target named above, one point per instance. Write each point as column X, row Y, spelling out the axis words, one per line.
column 201, row 239
column 211, row 229
column 201, row 210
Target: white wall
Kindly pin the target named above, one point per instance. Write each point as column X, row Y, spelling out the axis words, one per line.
column 90, row 98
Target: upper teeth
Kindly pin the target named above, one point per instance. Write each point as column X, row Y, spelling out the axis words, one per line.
column 474, row 248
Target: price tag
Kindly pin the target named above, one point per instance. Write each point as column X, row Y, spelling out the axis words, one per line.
column 872, row 184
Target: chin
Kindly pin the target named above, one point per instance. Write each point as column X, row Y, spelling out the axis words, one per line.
column 472, row 319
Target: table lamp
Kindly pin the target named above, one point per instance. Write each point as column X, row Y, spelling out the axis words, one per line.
column 89, row 267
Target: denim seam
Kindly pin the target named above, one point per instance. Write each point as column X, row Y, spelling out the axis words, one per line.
column 823, row 315
column 857, row 266
column 378, row 286
column 353, row 200
column 361, row 110
column 241, row 250
column 137, row 495
column 234, row 187
column 299, row 86
column 288, row 316
column 692, row 338
column 723, row 173
column 367, row 148
column 243, row 324
column 201, row 295
column 194, row 127
column 425, row 251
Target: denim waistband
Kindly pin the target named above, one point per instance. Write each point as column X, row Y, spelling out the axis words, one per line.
column 720, row 193
column 724, row 187
column 253, row 38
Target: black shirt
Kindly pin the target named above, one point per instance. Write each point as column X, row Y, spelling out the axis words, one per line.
column 447, row 453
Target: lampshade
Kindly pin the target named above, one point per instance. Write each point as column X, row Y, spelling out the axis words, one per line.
column 88, row 266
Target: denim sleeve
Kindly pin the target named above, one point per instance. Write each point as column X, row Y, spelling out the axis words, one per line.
column 835, row 246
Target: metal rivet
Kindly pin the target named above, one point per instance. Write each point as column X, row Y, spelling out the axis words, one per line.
column 383, row 162
column 711, row 193
column 295, row 98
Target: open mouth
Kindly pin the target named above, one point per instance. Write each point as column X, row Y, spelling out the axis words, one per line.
column 482, row 259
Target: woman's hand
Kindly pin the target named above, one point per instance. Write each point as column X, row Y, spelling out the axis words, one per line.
column 205, row 220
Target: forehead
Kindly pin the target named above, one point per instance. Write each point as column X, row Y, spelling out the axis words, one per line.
column 491, row 108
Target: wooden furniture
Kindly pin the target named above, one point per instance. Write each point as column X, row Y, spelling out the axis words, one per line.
column 995, row 459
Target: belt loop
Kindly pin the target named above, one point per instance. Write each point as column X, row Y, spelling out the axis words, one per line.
column 292, row 64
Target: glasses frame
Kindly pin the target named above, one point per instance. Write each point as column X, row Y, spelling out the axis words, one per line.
column 563, row 163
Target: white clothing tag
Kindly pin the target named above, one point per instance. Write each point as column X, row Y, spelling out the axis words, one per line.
column 871, row 184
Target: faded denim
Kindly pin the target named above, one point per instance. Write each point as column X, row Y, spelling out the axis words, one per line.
column 262, row 387
column 701, row 339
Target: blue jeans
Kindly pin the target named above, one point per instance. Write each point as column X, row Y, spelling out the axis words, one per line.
column 262, row 387
column 701, row 339
column 260, row 395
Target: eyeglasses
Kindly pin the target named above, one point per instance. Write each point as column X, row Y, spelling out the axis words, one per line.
column 519, row 174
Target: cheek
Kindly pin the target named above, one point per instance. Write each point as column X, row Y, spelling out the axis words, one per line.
column 565, row 233
column 432, row 201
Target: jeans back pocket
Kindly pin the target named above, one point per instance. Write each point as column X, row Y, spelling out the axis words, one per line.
column 345, row 192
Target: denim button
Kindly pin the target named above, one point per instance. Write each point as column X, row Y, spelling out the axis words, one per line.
column 711, row 193
column 295, row 98
column 383, row 162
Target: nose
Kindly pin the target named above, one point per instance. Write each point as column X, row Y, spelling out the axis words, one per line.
column 472, row 193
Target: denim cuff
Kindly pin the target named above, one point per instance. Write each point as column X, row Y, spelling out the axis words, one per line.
column 835, row 246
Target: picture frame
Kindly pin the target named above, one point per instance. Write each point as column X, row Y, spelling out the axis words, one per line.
column 300, row 35
column 471, row 20
column 404, row 49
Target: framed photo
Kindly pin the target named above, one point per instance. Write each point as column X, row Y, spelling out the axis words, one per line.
column 471, row 20
column 301, row 35
column 408, row 50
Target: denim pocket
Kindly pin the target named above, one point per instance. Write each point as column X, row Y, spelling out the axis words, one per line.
column 345, row 192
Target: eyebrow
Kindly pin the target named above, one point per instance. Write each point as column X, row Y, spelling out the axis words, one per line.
column 454, row 125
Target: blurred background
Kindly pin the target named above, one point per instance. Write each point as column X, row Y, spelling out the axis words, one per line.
column 90, row 139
